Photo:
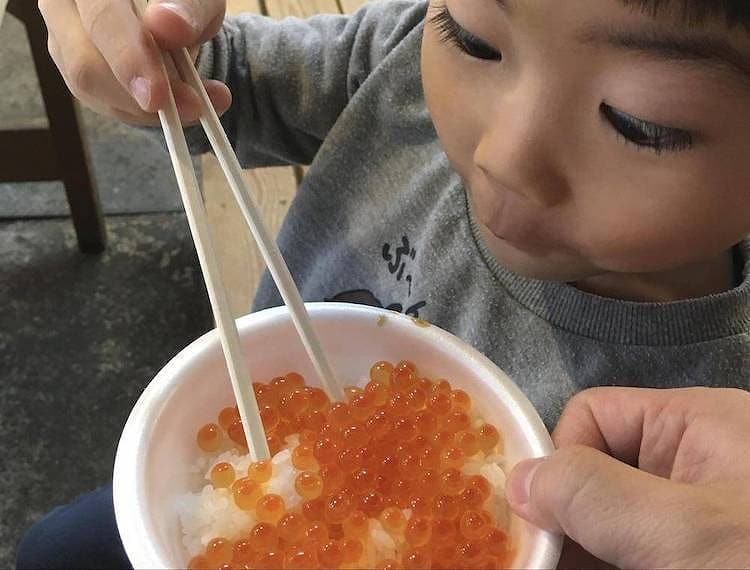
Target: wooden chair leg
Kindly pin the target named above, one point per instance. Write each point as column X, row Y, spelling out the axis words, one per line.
column 67, row 139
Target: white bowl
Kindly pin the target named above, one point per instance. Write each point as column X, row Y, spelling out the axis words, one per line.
column 157, row 445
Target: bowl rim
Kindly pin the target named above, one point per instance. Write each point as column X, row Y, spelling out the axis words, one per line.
column 128, row 477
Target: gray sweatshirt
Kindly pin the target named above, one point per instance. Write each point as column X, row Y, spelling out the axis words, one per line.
column 382, row 219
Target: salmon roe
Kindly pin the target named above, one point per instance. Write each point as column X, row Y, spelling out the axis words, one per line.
column 392, row 456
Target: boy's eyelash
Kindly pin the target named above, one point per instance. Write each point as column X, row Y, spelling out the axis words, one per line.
column 453, row 34
column 647, row 135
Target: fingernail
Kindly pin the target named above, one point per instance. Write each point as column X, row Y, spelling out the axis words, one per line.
column 519, row 487
column 183, row 11
column 140, row 88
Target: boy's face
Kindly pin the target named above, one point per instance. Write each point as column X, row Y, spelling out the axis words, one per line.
column 595, row 140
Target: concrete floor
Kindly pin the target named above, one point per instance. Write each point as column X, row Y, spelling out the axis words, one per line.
column 80, row 337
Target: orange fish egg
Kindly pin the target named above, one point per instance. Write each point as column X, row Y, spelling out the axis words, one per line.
column 356, row 525
column 451, row 481
column 218, row 551
column 398, row 404
column 362, row 405
column 443, row 529
column 260, row 471
column 263, row 537
column 270, row 508
column 425, row 422
column 272, row 560
column 291, row 527
column 388, row 564
column 330, row 554
column 429, row 482
column 308, row 485
column 362, row 479
column 473, row 525
column 236, row 433
column 456, row 421
column 416, row 399
column 317, row 531
column 378, row 391
column 265, row 394
column 371, row 503
column 228, row 415
column 301, row 558
column 418, row 531
column 393, row 520
column 325, row 451
column 351, row 550
column 340, row 415
column 355, row 435
column 246, row 493
column 468, row 442
column 198, row 563
column 417, row 559
column 338, row 507
column 489, row 438
column 332, row 478
column 222, row 475
column 439, row 404
column 495, row 542
column 461, row 401
column 381, row 372
column 314, row 509
column 242, row 551
column 270, row 417
column 282, row 385
column 420, row 506
column 452, row 457
column 445, row 506
column 303, row 458
column 209, row 437
column 348, row 460
column 318, row 399
column 480, row 483
column 313, row 420
column 275, row 443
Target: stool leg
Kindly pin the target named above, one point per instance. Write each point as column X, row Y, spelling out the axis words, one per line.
column 65, row 128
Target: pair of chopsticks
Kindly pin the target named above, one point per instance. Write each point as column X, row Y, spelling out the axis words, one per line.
column 199, row 227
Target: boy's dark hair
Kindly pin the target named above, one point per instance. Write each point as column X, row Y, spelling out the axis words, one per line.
column 694, row 12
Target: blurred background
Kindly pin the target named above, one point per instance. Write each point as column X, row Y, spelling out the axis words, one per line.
column 97, row 297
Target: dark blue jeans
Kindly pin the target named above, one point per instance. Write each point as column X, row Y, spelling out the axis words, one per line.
column 80, row 535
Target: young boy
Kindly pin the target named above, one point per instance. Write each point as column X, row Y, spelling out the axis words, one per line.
column 561, row 184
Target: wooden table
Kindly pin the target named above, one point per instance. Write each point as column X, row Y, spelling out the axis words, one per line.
column 241, row 263
column 57, row 152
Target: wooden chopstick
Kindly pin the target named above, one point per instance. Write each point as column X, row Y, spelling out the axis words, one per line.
column 199, row 227
column 266, row 243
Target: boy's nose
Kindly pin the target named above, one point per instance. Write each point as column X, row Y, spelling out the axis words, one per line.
column 515, row 155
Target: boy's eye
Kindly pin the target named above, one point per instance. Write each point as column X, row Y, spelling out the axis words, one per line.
column 645, row 134
column 452, row 33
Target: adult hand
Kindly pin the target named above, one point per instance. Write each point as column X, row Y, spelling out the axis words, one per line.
column 647, row 478
column 110, row 58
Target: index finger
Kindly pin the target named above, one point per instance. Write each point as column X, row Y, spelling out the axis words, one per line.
column 614, row 420
column 127, row 47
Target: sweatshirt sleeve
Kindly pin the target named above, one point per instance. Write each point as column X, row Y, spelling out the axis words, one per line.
column 291, row 79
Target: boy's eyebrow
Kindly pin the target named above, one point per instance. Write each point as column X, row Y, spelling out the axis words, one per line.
column 708, row 51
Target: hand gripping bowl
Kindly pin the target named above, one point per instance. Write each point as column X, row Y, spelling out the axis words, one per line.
column 158, row 444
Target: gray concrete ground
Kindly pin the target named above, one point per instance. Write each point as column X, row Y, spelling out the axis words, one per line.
column 81, row 336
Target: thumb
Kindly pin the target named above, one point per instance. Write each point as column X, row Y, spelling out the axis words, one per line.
column 184, row 23
column 617, row 513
